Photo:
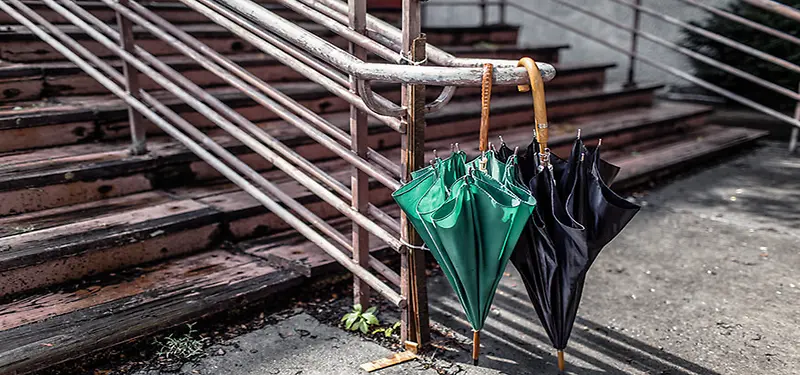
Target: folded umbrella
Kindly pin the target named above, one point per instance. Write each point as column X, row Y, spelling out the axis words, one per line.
column 470, row 218
column 577, row 214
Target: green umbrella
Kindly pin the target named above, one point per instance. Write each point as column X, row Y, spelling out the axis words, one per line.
column 471, row 220
column 470, row 215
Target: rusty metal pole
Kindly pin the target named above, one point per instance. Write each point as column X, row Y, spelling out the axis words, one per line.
column 637, row 18
column 795, row 129
column 138, row 143
column 415, row 330
column 359, row 181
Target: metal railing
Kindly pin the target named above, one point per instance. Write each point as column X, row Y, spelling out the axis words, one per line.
column 640, row 8
column 346, row 74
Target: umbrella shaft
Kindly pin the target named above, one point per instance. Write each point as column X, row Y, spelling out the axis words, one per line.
column 476, row 346
column 561, row 360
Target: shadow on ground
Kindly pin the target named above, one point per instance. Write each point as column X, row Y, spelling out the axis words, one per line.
column 703, row 282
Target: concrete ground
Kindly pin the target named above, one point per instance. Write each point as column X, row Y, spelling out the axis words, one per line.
column 703, row 281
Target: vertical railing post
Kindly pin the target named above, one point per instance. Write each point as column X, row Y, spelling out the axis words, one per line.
column 415, row 330
column 795, row 130
column 637, row 14
column 484, row 13
column 138, row 143
column 359, row 182
column 502, row 10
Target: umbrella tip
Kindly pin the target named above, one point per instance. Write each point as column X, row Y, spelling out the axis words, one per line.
column 502, row 142
column 579, row 133
column 476, row 346
column 561, row 364
column 599, row 142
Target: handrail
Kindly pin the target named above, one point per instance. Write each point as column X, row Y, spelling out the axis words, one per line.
column 284, row 53
column 743, row 21
column 173, row 131
column 324, row 64
column 713, row 36
column 392, row 36
column 777, row 8
column 663, row 67
column 451, row 75
column 685, row 51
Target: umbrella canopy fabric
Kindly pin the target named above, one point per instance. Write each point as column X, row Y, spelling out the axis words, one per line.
column 577, row 215
column 470, row 215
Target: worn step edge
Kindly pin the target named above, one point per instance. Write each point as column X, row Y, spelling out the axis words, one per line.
column 561, row 105
column 244, row 216
column 21, row 45
column 175, row 12
column 88, row 176
column 705, row 144
column 182, row 63
column 163, row 296
column 54, row 254
column 108, row 109
column 50, row 170
column 20, row 82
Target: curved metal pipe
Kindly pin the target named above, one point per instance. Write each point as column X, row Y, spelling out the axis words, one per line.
column 392, row 37
column 274, row 47
column 383, row 107
column 447, row 94
column 459, row 72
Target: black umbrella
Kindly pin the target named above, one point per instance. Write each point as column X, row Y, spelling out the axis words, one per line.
column 576, row 216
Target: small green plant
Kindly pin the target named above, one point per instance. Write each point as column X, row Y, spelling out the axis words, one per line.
column 388, row 331
column 182, row 348
column 358, row 320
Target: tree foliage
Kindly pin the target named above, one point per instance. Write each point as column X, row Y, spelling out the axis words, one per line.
column 764, row 42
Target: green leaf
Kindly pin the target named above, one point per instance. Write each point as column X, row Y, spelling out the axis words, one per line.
column 351, row 320
column 372, row 310
column 357, row 307
column 345, row 317
column 396, row 325
column 370, row 319
column 379, row 330
column 388, row 332
column 363, row 327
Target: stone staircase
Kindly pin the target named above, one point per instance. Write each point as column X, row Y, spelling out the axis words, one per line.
column 98, row 247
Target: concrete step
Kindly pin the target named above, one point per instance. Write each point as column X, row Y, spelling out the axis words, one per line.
column 21, row 45
column 689, row 150
column 68, row 243
column 47, row 178
column 81, row 119
column 56, row 245
column 32, row 81
column 173, row 11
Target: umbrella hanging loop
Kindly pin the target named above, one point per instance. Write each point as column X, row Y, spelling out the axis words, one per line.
column 539, row 108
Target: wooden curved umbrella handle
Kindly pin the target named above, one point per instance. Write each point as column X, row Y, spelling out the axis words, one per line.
column 486, row 97
column 539, row 104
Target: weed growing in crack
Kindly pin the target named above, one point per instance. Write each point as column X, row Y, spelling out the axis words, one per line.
column 182, row 348
column 358, row 320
